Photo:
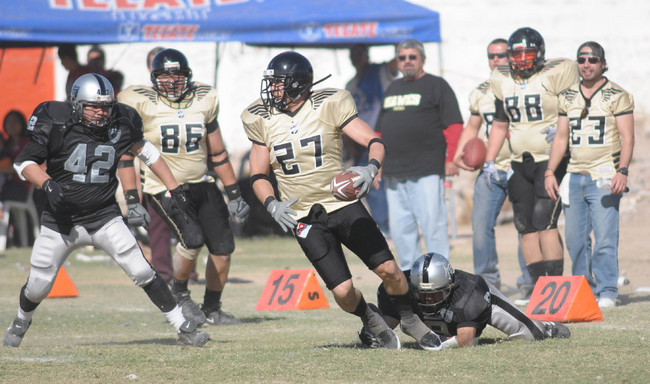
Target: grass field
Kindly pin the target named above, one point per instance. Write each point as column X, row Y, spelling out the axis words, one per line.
column 111, row 333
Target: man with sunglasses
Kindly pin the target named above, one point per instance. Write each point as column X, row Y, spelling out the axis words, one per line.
column 420, row 123
column 527, row 92
column 596, row 122
column 487, row 202
column 459, row 305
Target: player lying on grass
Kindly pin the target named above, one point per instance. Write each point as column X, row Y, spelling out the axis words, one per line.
column 459, row 305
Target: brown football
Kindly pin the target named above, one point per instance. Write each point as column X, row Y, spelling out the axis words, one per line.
column 474, row 153
column 341, row 186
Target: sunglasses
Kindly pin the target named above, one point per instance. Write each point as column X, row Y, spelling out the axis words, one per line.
column 585, row 110
column 592, row 60
column 500, row 55
column 410, row 57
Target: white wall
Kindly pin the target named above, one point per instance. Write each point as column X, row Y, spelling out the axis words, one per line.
column 467, row 26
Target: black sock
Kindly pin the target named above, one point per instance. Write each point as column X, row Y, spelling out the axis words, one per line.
column 361, row 308
column 159, row 294
column 26, row 304
column 179, row 285
column 536, row 270
column 211, row 301
column 554, row 267
column 404, row 304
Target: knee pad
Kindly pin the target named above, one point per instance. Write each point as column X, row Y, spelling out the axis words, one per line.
column 37, row 289
column 136, row 266
column 190, row 254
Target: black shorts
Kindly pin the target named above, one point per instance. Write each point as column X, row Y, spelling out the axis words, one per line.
column 321, row 234
column 533, row 209
column 210, row 210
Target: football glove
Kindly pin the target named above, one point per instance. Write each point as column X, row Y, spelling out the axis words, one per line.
column 237, row 206
column 137, row 215
column 550, row 133
column 364, row 183
column 179, row 199
column 281, row 213
column 490, row 171
column 54, row 193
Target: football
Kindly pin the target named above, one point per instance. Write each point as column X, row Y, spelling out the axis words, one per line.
column 474, row 153
column 341, row 186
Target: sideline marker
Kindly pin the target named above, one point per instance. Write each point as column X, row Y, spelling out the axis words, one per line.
column 63, row 286
column 567, row 299
column 291, row 289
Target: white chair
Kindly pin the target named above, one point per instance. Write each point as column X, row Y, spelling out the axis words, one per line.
column 20, row 211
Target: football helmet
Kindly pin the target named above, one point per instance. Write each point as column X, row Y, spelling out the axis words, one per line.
column 94, row 91
column 433, row 278
column 176, row 74
column 287, row 77
column 525, row 52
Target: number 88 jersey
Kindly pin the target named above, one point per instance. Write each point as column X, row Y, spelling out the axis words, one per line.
column 177, row 129
column 531, row 104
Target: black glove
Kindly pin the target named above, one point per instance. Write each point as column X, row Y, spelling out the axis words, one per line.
column 180, row 199
column 54, row 193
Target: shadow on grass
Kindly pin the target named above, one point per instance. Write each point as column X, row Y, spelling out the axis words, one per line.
column 633, row 298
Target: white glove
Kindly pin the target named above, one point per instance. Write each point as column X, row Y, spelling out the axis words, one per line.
column 282, row 213
column 364, row 183
column 490, row 171
column 550, row 133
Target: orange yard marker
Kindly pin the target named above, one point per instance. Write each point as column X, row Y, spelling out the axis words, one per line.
column 563, row 298
column 63, row 286
column 290, row 289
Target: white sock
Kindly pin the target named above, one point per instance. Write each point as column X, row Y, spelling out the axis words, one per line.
column 22, row 315
column 175, row 317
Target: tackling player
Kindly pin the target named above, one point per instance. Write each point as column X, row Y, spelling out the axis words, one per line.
column 180, row 118
column 527, row 92
column 83, row 143
column 460, row 305
column 296, row 132
column 597, row 124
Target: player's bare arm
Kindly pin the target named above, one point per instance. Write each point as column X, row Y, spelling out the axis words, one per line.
column 35, row 174
column 470, row 132
column 497, row 137
column 359, row 131
column 465, row 336
column 148, row 153
column 558, row 148
column 218, row 158
column 259, row 163
column 626, row 130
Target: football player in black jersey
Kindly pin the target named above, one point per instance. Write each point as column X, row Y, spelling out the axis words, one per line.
column 84, row 143
column 459, row 305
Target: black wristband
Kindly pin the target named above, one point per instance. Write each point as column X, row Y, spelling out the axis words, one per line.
column 375, row 162
column 131, row 196
column 376, row 140
column 259, row 176
column 125, row 163
column 268, row 201
column 232, row 191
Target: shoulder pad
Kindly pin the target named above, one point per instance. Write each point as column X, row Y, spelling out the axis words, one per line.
column 47, row 115
column 570, row 94
column 258, row 109
column 318, row 97
column 202, row 90
column 504, row 70
column 484, row 87
column 139, row 91
column 553, row 63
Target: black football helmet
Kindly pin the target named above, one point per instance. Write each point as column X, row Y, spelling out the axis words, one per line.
column 173, row 63
column 525, row 52
column 433, row 277
column 287, row 77
column 92, row 90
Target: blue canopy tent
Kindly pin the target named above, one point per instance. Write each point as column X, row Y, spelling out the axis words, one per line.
column 259, row 22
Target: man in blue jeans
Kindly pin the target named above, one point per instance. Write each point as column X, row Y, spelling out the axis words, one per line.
column 489, row 197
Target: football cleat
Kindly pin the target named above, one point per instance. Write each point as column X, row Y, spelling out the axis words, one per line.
column 220, row 317
column 554, row 330
column 368, row 340
column 378, row 328
column 190, row 309
column 189, row 335
column 15, row 332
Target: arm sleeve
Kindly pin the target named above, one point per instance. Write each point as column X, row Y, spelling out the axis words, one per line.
column 452, row 134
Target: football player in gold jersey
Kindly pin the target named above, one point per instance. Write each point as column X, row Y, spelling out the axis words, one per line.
column 527, row 92
column 596, row 122
column 296, row 132
column 488, row 201
column 180, row 118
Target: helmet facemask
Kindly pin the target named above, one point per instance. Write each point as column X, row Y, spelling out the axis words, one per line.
column 171, row 84
column 524, row 62
column 93, row 101
column 432, row 276
column 278, row 91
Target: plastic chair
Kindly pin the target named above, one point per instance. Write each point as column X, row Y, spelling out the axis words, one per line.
column 20, row 210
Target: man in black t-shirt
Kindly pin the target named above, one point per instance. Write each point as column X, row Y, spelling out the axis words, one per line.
column 460, row 305
column 420, row 123
column 84, row 143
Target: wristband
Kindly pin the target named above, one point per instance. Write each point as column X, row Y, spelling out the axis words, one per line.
column 549, row 172
column 131, row 196
column 268, row 201
column 232, row 191
column 375, row 162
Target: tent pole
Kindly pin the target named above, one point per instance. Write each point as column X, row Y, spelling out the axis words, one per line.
column 40, row 64
column 442, row 70
column 216, row 64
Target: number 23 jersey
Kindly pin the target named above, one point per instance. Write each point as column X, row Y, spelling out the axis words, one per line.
column 531, row 104
column 178, row 130
column 305, row 146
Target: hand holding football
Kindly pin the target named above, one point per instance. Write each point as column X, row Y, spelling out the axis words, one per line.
column 341, row 186
column 474, row 153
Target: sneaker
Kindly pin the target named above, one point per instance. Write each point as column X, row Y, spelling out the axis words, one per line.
column 368, row 340
column 189, row 335
column 15, row 332
column 555, row 330
column 606, row 302
column 381, row 331
column 220, row 317
column 430, row 341
column 190, row 309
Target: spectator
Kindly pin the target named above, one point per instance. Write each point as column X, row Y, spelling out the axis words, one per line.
column 596, row 122
column 367, row 88
column 15, row 126
column 97, row 63
column 488, row 201
column 304, row 160
column 527, row 94
column 459, row 305
column 70, row 61
column 420, row 123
